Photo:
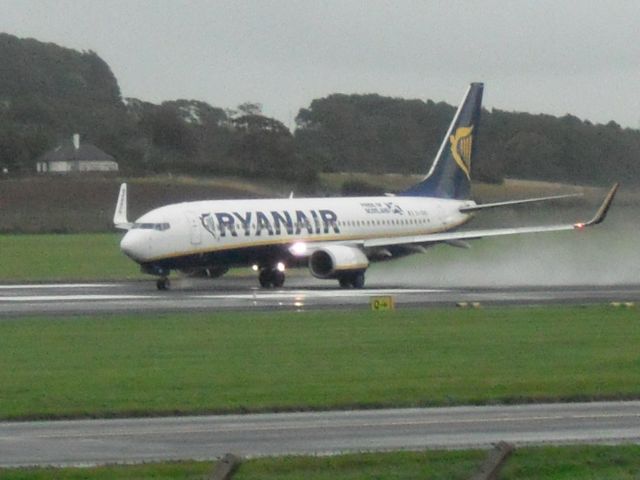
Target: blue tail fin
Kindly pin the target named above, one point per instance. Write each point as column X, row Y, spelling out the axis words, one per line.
column 450, row 174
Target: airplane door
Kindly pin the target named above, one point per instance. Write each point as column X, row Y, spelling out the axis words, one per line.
column 195, row 231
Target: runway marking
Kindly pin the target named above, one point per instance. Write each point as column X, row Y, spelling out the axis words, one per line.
column 43, row 286
column 68, row 298
column 292, row 295
column 317, row 293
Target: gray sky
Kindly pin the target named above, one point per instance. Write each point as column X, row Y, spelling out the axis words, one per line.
column 545, row 56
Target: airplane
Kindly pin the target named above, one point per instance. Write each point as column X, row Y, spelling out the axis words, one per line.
column 336, row 238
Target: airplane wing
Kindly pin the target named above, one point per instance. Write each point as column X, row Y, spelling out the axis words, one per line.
column 476, row 234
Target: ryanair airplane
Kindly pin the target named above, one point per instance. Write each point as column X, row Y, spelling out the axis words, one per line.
column 337, row 238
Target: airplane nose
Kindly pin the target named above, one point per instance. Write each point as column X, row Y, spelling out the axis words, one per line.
column 132, row 246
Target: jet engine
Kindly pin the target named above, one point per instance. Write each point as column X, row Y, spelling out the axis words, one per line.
column 335, row 260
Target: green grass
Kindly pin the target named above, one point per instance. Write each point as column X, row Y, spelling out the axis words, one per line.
column 157, row 471
column 581, row 462
column 536, row 463
column 435, row 465
column 234, row 362
column 72, row 257
column 64, row 257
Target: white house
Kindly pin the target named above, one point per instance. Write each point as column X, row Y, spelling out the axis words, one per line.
column 75, row 157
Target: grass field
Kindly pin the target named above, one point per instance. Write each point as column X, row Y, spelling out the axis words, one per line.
column 64, row 257
column 557, row 463
column 547, row 463
column 235, row 362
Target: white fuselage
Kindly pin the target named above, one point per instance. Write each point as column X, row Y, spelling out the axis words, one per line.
column 199, row 228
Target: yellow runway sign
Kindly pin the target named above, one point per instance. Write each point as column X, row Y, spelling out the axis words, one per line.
column 382, row 303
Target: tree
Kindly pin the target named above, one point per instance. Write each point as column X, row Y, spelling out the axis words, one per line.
column 169, row 130
column 264, row 146
column 250, row 108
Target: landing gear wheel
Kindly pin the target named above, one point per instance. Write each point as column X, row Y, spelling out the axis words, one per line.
column 163, row 284
column 344, row 282
column 277, row 278
column 265, row 278
column 358, row 280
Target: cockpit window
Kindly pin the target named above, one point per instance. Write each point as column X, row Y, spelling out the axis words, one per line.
column 161, row 227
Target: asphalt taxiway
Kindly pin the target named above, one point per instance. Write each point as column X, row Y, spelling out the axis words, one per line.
column 298, row 294
column 86, row 442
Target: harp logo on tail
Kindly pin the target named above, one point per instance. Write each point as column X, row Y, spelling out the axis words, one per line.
column 461, row 142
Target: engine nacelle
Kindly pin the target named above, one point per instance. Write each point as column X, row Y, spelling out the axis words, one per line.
column 331, row 261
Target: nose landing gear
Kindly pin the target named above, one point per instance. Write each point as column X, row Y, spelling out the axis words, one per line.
column 163, row 283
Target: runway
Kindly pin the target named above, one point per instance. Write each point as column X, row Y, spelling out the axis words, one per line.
column 86, row 442
column 298, row 294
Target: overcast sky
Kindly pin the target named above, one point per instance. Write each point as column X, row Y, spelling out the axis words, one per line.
column 543, row 56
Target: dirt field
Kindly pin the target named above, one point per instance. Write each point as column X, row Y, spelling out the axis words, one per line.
column 85, row 204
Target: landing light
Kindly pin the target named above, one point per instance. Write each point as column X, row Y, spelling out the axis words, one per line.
column 280, row 267
column 299, row 248
column 579, row 226
column 254, row 267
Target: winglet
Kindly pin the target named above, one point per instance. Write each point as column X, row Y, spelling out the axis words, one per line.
column 602, row 211
column 120, row 215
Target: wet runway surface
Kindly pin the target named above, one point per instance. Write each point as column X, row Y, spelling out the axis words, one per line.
column 298, row 294
column 86, row 442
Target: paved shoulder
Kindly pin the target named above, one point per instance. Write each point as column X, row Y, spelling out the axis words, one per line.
column 209, row 437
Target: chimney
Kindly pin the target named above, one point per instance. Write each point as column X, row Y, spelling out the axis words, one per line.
column 76, row 140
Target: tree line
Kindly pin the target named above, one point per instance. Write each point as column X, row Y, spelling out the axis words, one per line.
column 381, row 134
column 48, row 92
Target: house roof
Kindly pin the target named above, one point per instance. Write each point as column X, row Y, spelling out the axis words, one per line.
column 67, row 152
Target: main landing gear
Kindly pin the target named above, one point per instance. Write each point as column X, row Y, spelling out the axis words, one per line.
column 163, row 283
column 352, row 280
column 271, row 277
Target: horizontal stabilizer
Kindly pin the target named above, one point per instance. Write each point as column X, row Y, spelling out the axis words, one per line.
column 509, row 203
